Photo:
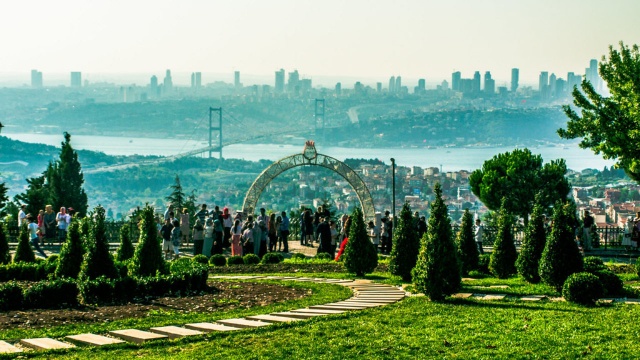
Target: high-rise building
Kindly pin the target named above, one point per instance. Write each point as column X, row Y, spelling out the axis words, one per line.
column 591, row 74
column 236, row 80
column 168, row 82
column 543, row 84
column 515, row 79
column 573, row 80
column 552, row 85
column 379, row 87
column 444, row 85
column 153, row 86
column 560, row 87
column 338, row 89
column 293, row 82
column 421, row 88
column 196, row 80
column 455, row 81
column 279, row 87
column 76, row 79
column 398, row 86
column 36, row 78
column 476, row 82
column 392, row 84
column 489, row 84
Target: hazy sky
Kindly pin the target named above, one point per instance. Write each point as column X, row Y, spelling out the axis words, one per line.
column 372, row 39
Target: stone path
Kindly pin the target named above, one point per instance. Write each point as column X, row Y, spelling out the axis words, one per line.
column 366, row 295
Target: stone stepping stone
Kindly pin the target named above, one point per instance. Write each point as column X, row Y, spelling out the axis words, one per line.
column 381, row 297
column 606, row 301
column 336, row 280
column 6, row 348
column 468, row 279
column 93, row 339
column 375, row 301
column 352, row 303
column 301, row 316
column 533, row 298
column 462, row 295
column 490, row 297
column 136, row 336
column 243, row 323
column 273, row 318
column 210, row 327
column 319, row 311
column 383, row 293
column 556, row 299
column 174, row 332
column 632, row 301
column 337, row 307
column 45, row 344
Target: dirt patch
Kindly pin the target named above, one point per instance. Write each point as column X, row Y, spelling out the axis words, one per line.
column 223, row 296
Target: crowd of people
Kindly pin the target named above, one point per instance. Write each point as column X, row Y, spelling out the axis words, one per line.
column 46, row 227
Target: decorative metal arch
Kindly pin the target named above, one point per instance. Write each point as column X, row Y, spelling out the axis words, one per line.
column 309, row 156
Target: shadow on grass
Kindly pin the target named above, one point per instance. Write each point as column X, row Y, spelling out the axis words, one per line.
column 502, row 305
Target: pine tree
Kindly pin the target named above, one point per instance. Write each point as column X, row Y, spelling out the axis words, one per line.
column 406, row 245
column 177, row 197
column 5, row 256
column 126, row 249
column 360, row 255
column 24, row 252
column 466, row 244
column 36, row 196
column 98, row 260
column 533, row 243
column 437, row 271
column 4, row 199
column 71, row 253
column 66, row 179
column 148, row 259
column 561, row 256
column 503, row 258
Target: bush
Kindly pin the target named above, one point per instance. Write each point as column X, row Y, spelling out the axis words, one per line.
column 122, row 267
column 97, row 291
column 273, row 258
column 51, row 294
column 483, row 263
column 437, row 271
column 11, row 297
column 299, row 256
column 126, row 249
column 582, row 288
column 220, row 260
column 24, row 252
column 321, row 256
column 71, row 253
column 235, row 260
column 251, row 259
column 98, row 260
column 360, row 255
column 466, row 244
column 535, row 237
column 201, row 259
column 504, row 254
column 5, row 256
column 593, row 264
column 124, row 289
column 148, row 259
column 404, row 252
column 611, row 283
column 180, row 265
column 26, row 271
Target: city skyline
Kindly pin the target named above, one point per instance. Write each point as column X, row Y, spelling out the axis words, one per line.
column 364, row 40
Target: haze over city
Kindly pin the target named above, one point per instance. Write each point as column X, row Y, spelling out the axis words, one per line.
column 124, row 41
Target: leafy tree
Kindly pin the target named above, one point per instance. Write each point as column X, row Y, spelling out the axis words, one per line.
column 535, row 238
column 5, row 255
column 503, row 258
column 126, row 249
column 437, row 271
column 561, row 256
column 36, row 196
column 518, row 176
column 360, row 255
column 610, row 125
column 466, row 244
column 177, row 197
column 65, row 179
column 98, row 260
column 24, row 252
column 71, row 253
column 148, row 259
column 406, row 245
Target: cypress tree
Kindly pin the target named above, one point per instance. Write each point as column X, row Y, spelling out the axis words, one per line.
column 98, row 260
column 177, row 197
column 126, row 249
column 561, row 256
column 360, row 255
column 148, row 259
column 437, row 271
column 466, row 244
column 71, row 253
column 4, row 199
column 406, row 245
column 24, row 252
column 533, row 243
column 503, row 258
column 65, row 179
column 5, row 256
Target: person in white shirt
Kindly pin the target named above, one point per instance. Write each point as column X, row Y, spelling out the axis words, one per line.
column 63, row 220
column 33, row 234
column 22, row 215
column 478, row 235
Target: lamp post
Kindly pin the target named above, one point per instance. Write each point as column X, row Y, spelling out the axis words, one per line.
column 393, row 190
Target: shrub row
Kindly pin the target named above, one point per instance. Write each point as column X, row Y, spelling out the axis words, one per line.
column 249, row 259
column 24, row 271
column 42, row 295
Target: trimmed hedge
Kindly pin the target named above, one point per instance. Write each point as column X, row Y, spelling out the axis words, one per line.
column 299, row 256
column 582, row 288
column 220, row 260
column 251, row 259
column 322, row 256
column 51, row 294
column 275, row 258
column 27, row 271
column 235, row 260
column 11, row 296
column 200, row 259
column 592, row 264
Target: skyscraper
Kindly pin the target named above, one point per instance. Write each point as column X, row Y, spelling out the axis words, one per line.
column 292, row 82
column 489, row 84
column 76, row 79
column 455, row 81
column 338, row 89
column 196, row 80
column 168, row 82
column 398, row 86
column 476, row 82
column 236, row 80
column 421, row 86
column 591, row 73
column 279, row 81
column 515, row 79
column 36, row 78
column 392, row 84
column 379, row 87
column 543, row 84
column 153, row 86
column 552, row 85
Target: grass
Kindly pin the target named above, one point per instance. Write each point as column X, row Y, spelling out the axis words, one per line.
column 321, row 294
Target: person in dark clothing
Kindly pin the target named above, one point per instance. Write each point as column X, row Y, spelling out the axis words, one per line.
column 324, row 236
column 165, row 232
column 422, row 227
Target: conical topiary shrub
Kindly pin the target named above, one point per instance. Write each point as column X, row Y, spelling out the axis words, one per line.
column 98, row 261
column 503, row 258
column 533, row 243
column 437, row 271
column 148, row 259
column 126, row 249
column 5, row 256
column 466, row 244
column 406, row 245
column 360, row 255
column 24, row 252
column 71, row 253
column 561, row 256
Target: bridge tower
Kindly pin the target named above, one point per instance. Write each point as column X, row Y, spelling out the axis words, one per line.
column 212, row 129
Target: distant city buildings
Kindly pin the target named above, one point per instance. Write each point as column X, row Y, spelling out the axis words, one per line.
column 489, row 84
column 167, row 85
column 76, row 79
column 515, row 79
column 279, row 86
column 36, row 79
column 236, row 80
column 196, row 80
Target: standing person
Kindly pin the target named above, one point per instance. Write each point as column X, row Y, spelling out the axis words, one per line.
column 218, row 236
column 165, row 232
column 586, row 233
column 227, row 223
column 185, row 226
column 478, row 235
column 324, row 236
column 247, row 239
column 167, row 213
column 208, row 238
column 317, row 219
column 41, row 227
column 236, row 235
column 176, row 238
column 384, row 235
column 260, row 238
column 63, row 220
column 272, row 229
column 284, row 232
column 34, row 232
column 263, row 217
column 22, row 215
column 278, row 241
column 202, row 213
column 49, row 224
column 302, row 229
column 373, row 234
column 198, row 237
column 334, row 238
column 308, row 228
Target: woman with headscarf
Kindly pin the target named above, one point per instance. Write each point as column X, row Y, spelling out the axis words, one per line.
column 227, row 223
column 236, row 234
